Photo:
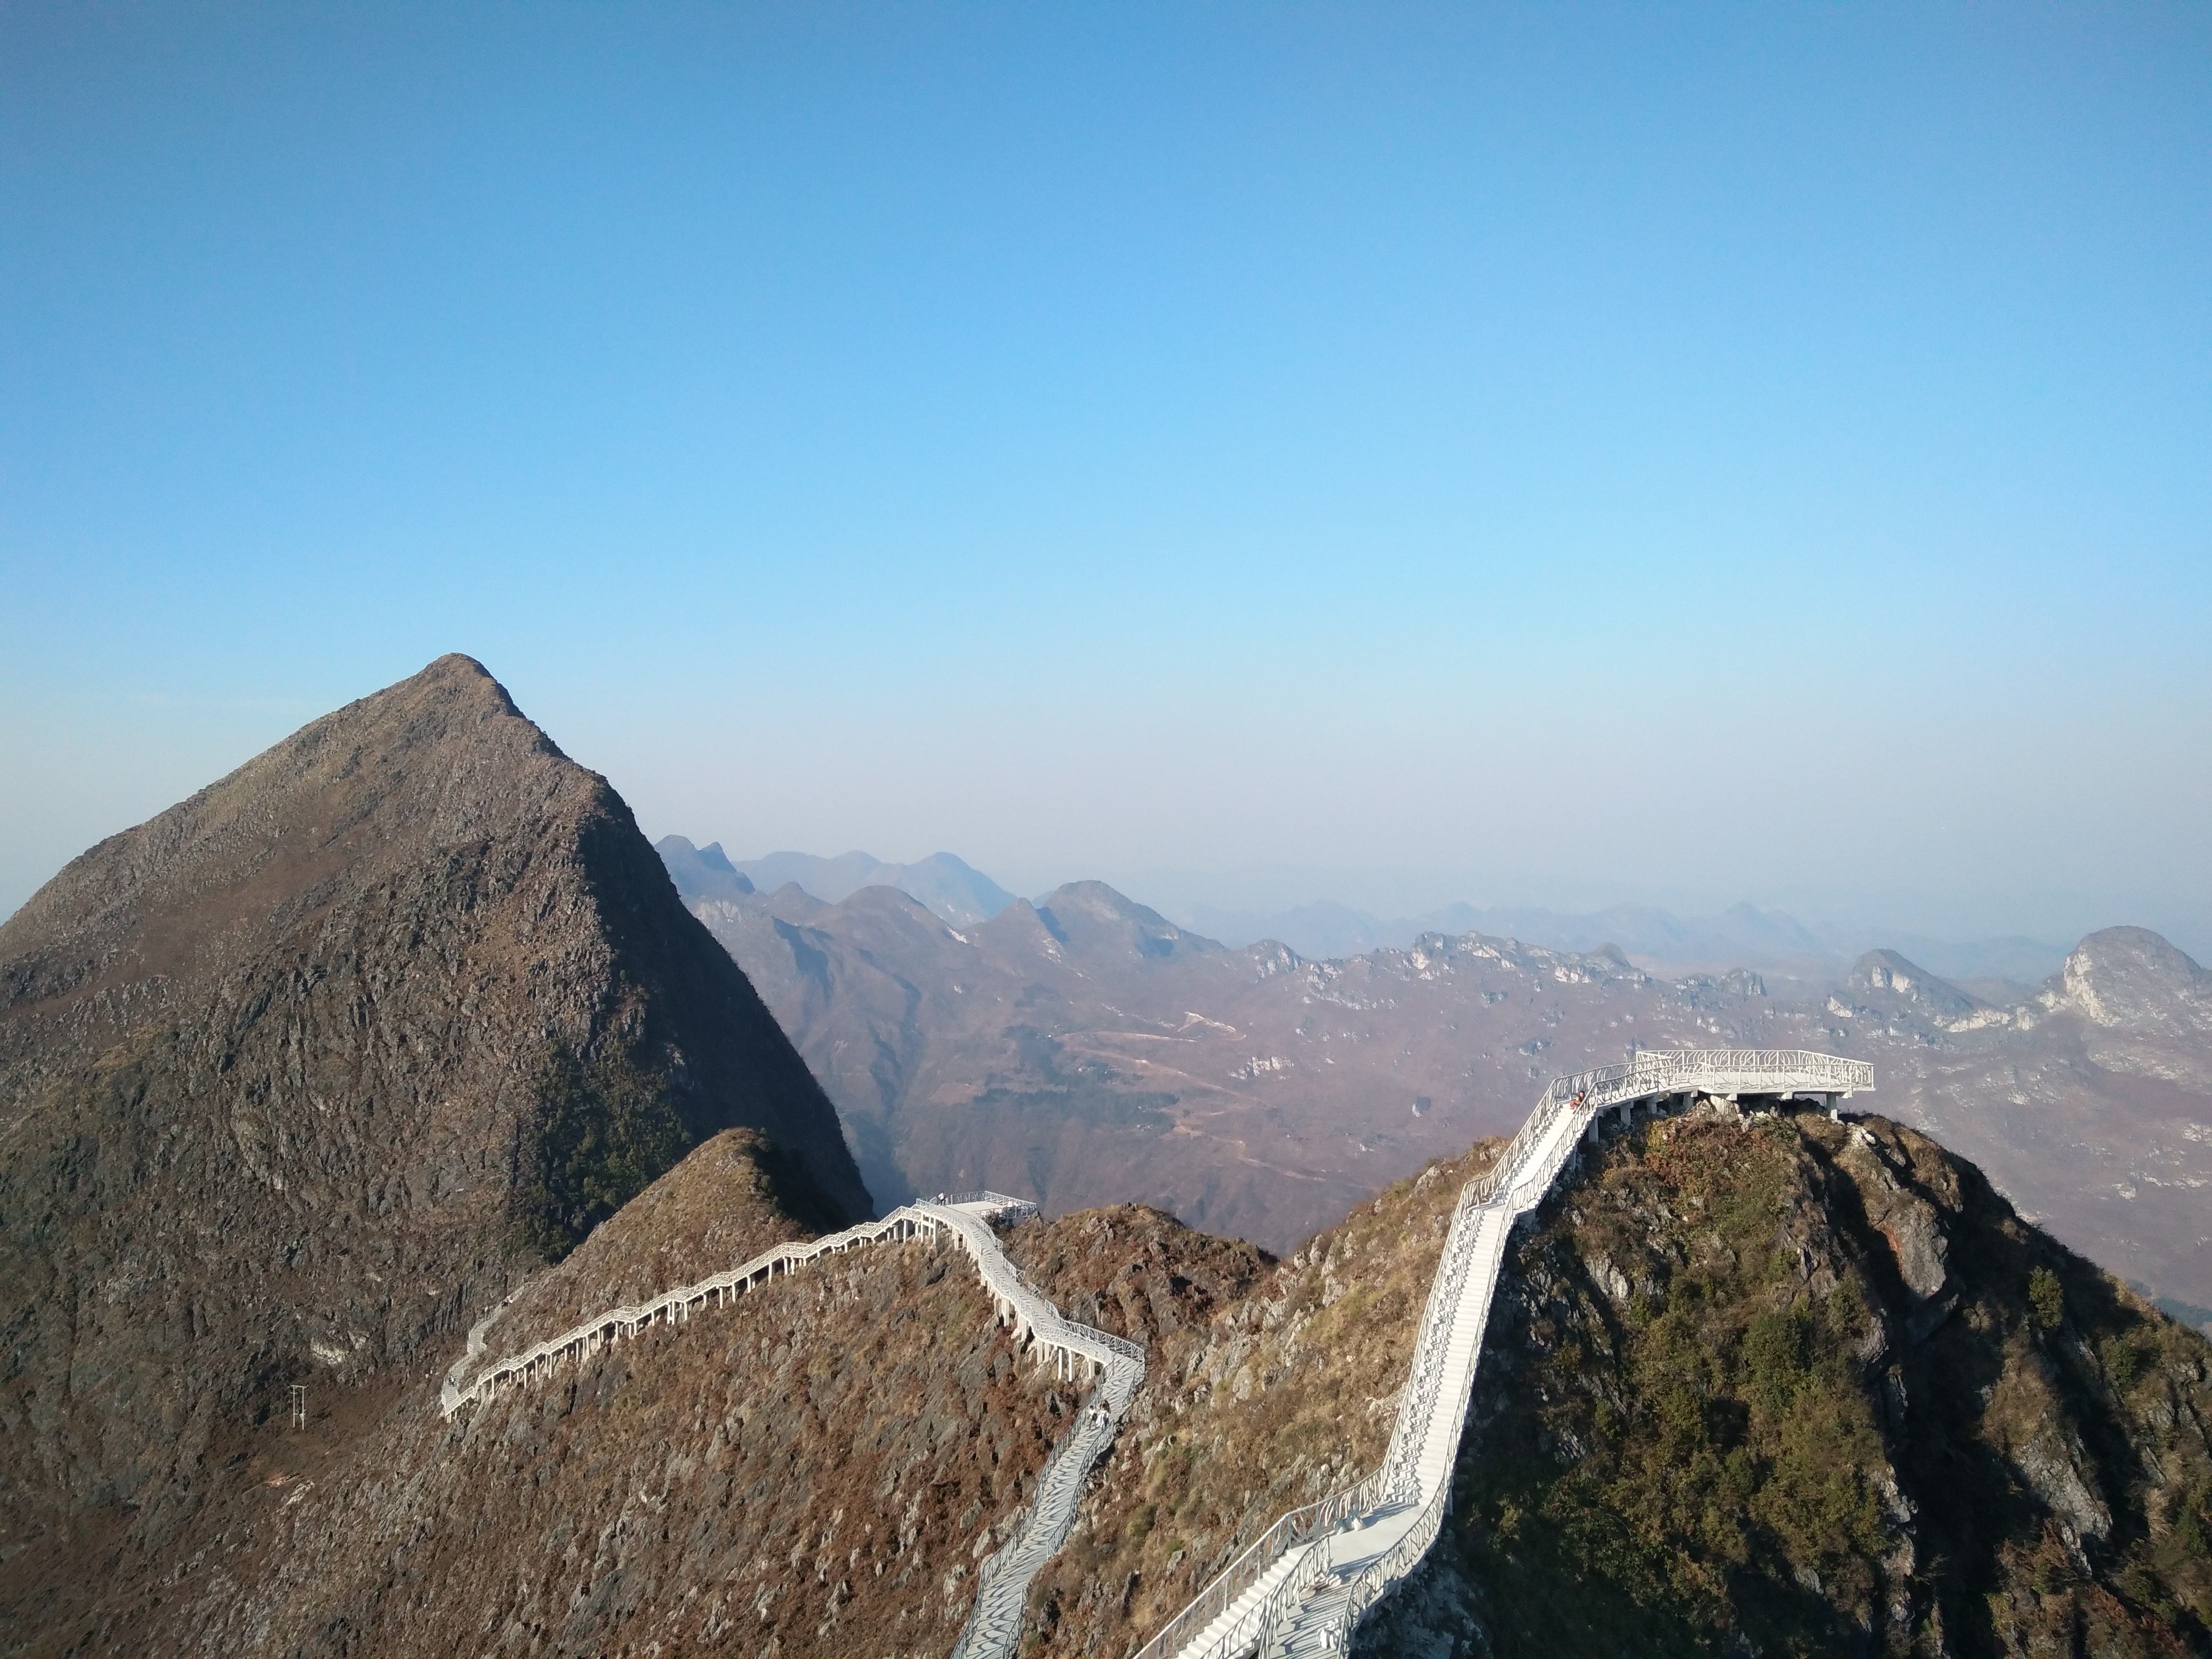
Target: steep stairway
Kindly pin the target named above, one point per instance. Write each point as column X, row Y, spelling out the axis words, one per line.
column 1301, row 1588
column 1075, row 1351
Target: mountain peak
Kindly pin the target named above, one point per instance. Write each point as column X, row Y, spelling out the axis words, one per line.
column 701, row 872
column 407, row 988
column 2132, row 978
column 1885, row 978
column 954, row 890
column 1090, row 915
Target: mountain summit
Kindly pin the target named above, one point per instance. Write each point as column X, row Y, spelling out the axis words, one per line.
column 297, row 1074
column 2131, row 979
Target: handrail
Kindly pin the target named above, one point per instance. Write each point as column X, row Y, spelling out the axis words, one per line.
column 1037, row 1314
column 1040, row 1525
column 1308, row 1522
column 1516, row 1183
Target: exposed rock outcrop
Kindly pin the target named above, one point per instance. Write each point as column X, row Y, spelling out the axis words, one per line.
column 2131, row 979
column 1883, row 980
column 1769, row 1446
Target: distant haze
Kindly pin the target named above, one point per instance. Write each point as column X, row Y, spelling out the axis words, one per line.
column 1741, row 936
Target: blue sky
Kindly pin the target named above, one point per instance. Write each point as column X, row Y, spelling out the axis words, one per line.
column 1564, row 454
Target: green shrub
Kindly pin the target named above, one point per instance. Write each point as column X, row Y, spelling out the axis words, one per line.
column 1774, row 1346
column 2046, row 1298
column 604, row 1130
column 2123, row 1363
column 2193, row 1525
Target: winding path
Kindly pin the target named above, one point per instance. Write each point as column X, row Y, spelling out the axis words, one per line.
column 1301, row 1588
column 1074, row 1350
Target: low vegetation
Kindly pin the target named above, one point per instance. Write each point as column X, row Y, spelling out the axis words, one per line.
column 1795, row 1386
column 1270, row 1384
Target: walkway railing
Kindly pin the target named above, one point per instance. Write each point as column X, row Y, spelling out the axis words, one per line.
column 1042, row 1527
column 1310, row 1559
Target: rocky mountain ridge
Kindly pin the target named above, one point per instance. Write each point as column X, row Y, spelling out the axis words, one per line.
column 1256, row 1092
column 1743, row 935
column 941, row 884
column 1769, row 1384
column 300, row 1074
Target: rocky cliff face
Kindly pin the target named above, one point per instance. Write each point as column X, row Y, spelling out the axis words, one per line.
column 1778, row 1386
column 2129, row 978
column 300, row 1074
column 2089, row 1104
column 1788, row 1386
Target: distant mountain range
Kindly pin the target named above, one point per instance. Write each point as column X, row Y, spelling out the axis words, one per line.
column 1082, row 1048
column 940, row 883
column 1743, row 935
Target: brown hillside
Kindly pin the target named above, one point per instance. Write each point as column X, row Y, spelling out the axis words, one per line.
column 1782, row 1386
column 1270, row 1384
column 300, row 1074
column 813, row 1470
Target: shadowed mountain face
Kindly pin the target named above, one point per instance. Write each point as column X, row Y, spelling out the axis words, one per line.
column 293, row 1077
column 1085, row 1051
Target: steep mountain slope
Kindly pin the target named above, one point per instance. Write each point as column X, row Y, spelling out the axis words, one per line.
column 1778, row 1385
column 294, row 1077
column 1084, row 1051
column 1799, row 1387
column 815, row 1470
column 1269, row 1384
column 2090, row 1104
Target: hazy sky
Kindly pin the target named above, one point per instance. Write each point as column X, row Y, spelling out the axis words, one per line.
column 1565, row 454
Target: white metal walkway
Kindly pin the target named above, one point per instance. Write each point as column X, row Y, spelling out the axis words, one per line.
column 1074, row 1350
column 1301, row 1588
